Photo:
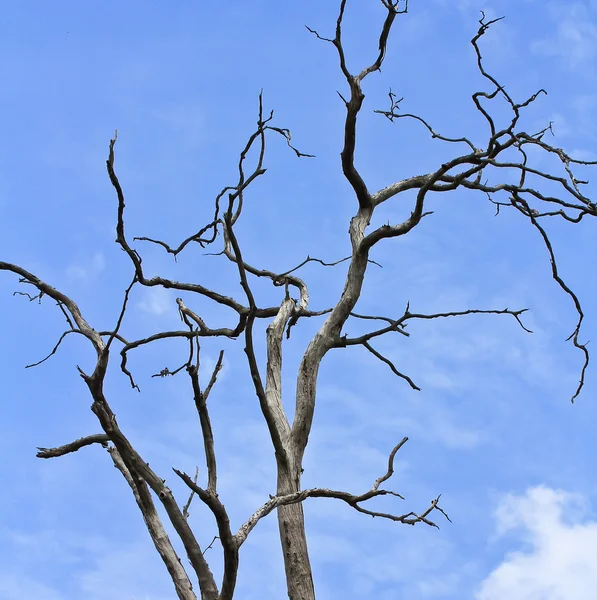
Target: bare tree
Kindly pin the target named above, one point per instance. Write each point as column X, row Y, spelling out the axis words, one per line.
column 500, row 169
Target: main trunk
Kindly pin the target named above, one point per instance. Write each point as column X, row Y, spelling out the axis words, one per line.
column 291, row 523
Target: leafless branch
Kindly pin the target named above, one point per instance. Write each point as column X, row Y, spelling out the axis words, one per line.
column 31, row 298
column 574, row 335
column 394, row 325
column 397, row 324
column 206, row 430
column 390, row 470
column 410, row 518
column 393, row 114
column 235, row 192
column 185, row 508
column 138, row 467
column 98, row 438
column 114, row 333
column 471, row 311
column 214, row 375
column 354, row 104
column 136, row 258
column 211, row 544
column 54, row 349
column 64, row 301
column 269, row 412
column 228, row 541
column 392, row 367
column 182, row 583
column 131, row 458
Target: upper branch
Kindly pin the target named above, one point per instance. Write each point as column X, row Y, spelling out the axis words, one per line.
column 274, row 424
column 136, row 258
column 354, row 104
column 63, row 301
column 236, row 192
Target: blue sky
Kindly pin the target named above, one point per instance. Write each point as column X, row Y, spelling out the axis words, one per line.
column 492, row 429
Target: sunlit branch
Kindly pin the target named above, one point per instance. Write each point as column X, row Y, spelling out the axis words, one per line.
column 410, row 518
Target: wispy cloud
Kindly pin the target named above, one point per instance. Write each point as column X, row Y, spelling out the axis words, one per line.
column 125, row 572
column 558, row 562
column 432, row 421
column 575, row 39
column 16, row 586
column 110, row 569
column 88, row 270
column 157, row 301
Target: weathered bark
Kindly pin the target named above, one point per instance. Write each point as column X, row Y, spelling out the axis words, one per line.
column 291, row 523
column 290, row 518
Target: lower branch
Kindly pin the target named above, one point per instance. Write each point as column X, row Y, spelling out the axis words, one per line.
column 182, row 583
column 228, row 541
column 142, row 473
column 410, row 518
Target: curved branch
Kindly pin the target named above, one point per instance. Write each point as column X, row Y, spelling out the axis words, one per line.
column 63, row 300
column 98, row 438
column 136, row 258
column 54, row 349
column 557, row 278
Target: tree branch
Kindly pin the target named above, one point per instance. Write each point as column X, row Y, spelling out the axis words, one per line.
column 64, row 302
column 270, row 412
column 137, row 466
column 161, row 541
column 392, row 367
column 228, row 541
column 185, row 508
column 98, row 438
column 410, row 518
column 206, row 430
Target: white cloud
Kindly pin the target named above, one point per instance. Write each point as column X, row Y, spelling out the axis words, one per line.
column 559, row 559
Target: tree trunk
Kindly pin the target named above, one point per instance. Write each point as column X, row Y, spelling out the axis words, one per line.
column 291, row 523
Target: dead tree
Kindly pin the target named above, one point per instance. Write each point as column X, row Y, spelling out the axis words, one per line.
column 485, row 169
